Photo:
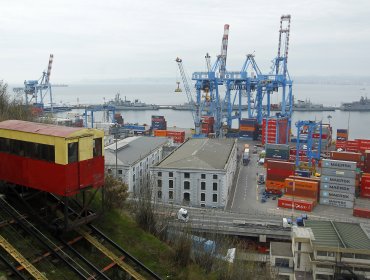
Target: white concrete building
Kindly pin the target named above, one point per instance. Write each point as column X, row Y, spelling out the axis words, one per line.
column 134, row 157
column 199, row 173
column 323, row 250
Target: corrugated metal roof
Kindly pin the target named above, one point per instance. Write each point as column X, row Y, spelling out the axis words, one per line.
column 200, row 154
column 339, row 234
column 134, row 149
column 40, row 128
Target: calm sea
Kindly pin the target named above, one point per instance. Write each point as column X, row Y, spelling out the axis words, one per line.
column 163, row 94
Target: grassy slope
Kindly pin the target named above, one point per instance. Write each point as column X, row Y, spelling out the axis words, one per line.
column 146, row 248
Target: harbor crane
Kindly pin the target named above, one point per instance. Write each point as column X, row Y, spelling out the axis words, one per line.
column 38, row 89
column 308, row 128
column 196, row 111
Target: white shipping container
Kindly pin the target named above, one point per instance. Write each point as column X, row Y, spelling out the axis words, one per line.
column 338, row 173
column 337, row 188
column 338, row 164
column 338, row 180
column 336, row 202
column 337, row 195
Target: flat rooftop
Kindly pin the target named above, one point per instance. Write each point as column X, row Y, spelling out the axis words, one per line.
column 281, row 249
column 202, row 153
column 338, row 234
column 132, row 149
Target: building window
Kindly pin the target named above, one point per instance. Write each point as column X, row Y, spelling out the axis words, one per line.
column 280, row 262
column 214, row 199
column 170, row 195
column 170, row 184
column 109, row 171
column 203, row 176
column 186, row 185
column 133, row 177
column 203, row 186
column 159, row 174
column 202, row 197
column 214, row 176
column 202, row 205
column 186, row 175
column 215, row 186
column 159, row 183
column 170, row 174
column 159, row 194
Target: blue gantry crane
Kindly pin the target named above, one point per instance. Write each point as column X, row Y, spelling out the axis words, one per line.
column 109, row 110
column 308, row 128
column 38, row 89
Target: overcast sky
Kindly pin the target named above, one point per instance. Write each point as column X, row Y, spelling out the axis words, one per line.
column 110, row 39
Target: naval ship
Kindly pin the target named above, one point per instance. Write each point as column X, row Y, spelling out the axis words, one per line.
column 362, row 105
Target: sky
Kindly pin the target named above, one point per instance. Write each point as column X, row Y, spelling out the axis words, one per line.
column 113, row 40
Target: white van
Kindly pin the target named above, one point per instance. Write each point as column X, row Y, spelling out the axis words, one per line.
column 183, row 215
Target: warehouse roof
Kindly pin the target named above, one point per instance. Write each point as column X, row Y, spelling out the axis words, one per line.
column 338, row 234
column 45, row 129
column 200, row 154
column 132, row 149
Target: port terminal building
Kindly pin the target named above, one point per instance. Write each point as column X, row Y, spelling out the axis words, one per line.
column 199, row 173
column 135, row 155
column 323, row 250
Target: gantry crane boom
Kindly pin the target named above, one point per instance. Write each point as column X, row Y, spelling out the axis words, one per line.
column 196, row 111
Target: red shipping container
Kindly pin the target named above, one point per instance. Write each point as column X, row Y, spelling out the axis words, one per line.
column 361, row 212
column 274, row 185
column 365, row 194
column 274, row 164
column 302, row 205
column 346, row 156
column 302, row 193
column 279, row 172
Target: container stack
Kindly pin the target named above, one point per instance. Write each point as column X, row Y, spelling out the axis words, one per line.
column 342, row 137
column 365, row 185
column 177, row 136
column 118, row 118
column 338, row 182
column 366, row 164
column 302, row 155
column 159, row 122
column 207, row 124
column 276, row 173
column 277, row 151
column 326, row 137
column 275, row 130
column 362, row 208
column 248, row 129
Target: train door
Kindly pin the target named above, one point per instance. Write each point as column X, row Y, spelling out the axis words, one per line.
column 85, row 163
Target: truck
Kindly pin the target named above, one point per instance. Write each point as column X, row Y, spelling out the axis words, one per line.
column 183, row 215
column 287, row 222
column 246, row 157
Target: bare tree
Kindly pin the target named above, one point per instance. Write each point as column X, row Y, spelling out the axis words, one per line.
column 115, row 192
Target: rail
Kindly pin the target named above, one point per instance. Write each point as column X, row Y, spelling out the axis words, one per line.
column 21, row 259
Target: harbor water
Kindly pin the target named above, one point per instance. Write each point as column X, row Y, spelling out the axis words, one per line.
column 163, row 94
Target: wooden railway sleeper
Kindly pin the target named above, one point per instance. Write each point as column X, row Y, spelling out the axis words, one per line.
column 111, row 255
column 21, row 259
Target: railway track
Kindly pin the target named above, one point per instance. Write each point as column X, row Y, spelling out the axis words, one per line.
column 86, row 253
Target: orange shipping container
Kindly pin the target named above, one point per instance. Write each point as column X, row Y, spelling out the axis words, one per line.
column 160, row 133
column 272, row 184
column 301, row 184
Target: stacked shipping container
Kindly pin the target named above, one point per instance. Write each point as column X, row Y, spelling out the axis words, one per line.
column 207, row 124
column 342, row 137
column 275, row 130
column 326, row 137
column 159, row 122
column 277, row 151
column 276, row 173
column 338, row 182
column 118, row 118
column 248, row 129
column 365, row 185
